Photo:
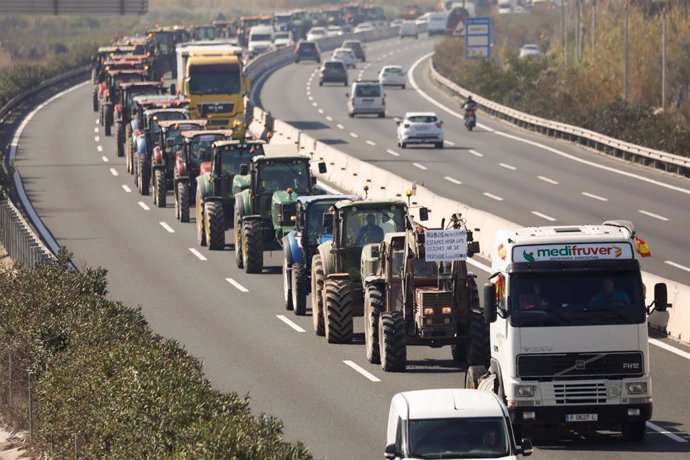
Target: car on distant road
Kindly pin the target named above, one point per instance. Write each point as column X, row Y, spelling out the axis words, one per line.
column 392, row 75
column 334, row 31
column 396, row 22
column 282, row 39
column 333, row 72
column 409, row 29
column 363, row 27
column 366, row 97
column 356, row 47
column 307, row 51
column 346, row 56
column 420, row 128
column 530, row 49
column 316, row 33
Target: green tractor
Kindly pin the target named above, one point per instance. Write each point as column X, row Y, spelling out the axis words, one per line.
column 215, row 202
column 265, row 193
column 336, row 280
column 418, row 291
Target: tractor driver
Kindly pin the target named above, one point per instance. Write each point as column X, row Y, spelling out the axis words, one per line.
column 370, row 233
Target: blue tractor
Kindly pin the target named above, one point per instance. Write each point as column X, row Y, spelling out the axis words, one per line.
column 300, row 245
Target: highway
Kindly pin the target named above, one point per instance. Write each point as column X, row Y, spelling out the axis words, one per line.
column 328, row 395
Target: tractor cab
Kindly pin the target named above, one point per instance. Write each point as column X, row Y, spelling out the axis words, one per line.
column 170, row 134
column 127, row 92
column 113, row 78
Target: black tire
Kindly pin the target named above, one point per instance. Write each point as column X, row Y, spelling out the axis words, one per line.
column 438, row 145
column 473, row 376
column 402, row 87
column 108, row 119
column 160, row 188
column 143, row 175
column 320, row 83
column 95, row 99
column 317, row 282
column 382, row 115
column 299, row 289
column 287, row 275
column 183, row 201
column 345, row 83
column 128, row 147
column 101, row 114
column 252, row 247
column 119, row 139
column 200, row 220
column 338, row 311
column 479, row 347
column 373, row 307
column 238, row 238
column 634, row 431
column 214, row 222
column 392, row 347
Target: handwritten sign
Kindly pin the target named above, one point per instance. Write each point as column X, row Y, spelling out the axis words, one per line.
column 445, row 245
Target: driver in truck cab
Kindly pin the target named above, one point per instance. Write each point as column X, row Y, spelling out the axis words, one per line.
column 609, row 295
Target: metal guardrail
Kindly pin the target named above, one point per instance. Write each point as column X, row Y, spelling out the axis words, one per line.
column 641, row 155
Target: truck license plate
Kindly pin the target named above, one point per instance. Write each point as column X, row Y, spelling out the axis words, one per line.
column 581, row 417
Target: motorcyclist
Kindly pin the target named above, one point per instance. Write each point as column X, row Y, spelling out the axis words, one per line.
column 469, row 105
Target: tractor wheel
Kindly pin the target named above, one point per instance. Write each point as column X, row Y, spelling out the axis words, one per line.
column 119, row 139
column 143, row 175
column 95, row 98
column 160, row 188
column 373, row 307
column 183, row 201
column 108, row 119
column 392, row 347
column 252, row 247
column 473, row 376
column 299, row 289
column 479, row 348
column 215, row 225
column 200, row 221
column 338, row 310
column 287, row 275
column 317, row 281
column 238, row 239
column 101, row 117
column 128, row 147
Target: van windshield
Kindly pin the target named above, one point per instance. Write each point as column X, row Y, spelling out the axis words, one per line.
column 368, row 91
column 261, row 38
column 471, row 437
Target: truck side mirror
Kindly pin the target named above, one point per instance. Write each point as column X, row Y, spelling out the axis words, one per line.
column 660, row 297
column 244, row 169
column 173, row 88
column 392, row 452
column 526, row 447
column 322, row 167
column 423, row 213
column 327, row 222
column 472, row 248
column 313, row 181
column 490, row 306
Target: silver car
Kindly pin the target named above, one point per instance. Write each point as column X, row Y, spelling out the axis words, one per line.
column 420, row 128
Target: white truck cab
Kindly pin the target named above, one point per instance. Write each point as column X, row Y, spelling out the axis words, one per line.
column 444, row 422
column 568, row 327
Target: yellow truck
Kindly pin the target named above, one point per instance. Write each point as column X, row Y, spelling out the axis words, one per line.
column 212, row 77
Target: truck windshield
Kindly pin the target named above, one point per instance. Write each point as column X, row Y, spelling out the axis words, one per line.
column 214, row 79
column 365, row 225
column 275, row 176
column 576, row 298
column 472, row 437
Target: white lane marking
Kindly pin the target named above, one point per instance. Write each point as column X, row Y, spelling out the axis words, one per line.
column 99, row 148
column 321, row 111
column 309, row 93
column 596, row 197
column 455, row 181
column 546, row 179
column 475, row 153
column 167, row 227
column 95, row 130
column 420, row 166
column 329, row 118
column 507, row 166
column 198, row 255
column 362, row 371
column 651, row 214
column 113, row 171
column 544, row 216
column 98, row 122
column 144, row 206
column 372, row 143
column 126, row 188
column 672, row 349
column 673, row 264
column 314, row 104
column 97, row 138
column 537, row 144
column 393, row 152
column 493, row 197
column 340, row 126
column 105, row 159
column 310, row 98
column 289, row 323
column 665, row 432
column 237, row 285
column 451, row 143
column 355, row 135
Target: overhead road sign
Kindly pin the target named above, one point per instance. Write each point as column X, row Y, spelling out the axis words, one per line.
column 75, row 7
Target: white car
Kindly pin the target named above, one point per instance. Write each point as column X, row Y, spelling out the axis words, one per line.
column 346, row 56
column 530, row 49
column 451, row 424
column 363, row 27
column 420, row 128
column 396, row 23
column 392, row 75
column 409, row 29
column 282, row 39
column 316, row 33
column 334, row 31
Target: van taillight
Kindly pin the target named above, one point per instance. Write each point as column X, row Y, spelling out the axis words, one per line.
column 352, row 101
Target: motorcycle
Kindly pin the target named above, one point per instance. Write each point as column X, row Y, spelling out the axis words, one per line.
column 470, row 119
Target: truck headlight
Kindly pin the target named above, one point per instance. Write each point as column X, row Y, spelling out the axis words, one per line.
column 446, row 310
column 428, row 311
column 636, row 388
column 524, row 391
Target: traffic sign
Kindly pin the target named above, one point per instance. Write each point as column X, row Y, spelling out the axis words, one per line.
column 478, row 38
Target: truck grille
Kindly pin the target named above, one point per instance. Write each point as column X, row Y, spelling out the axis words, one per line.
column 575, row 393
column 579, row 365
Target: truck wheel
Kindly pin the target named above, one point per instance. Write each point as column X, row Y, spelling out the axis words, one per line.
column 252, row 247
column 119, row 139
column 200, row 221
column 392, row 348
column 338, row 311
column 373, row 306
column 160, row 188
column 95, row 98
column 108, row 119
column 473, row 376
column 183, row 201
column 215, row 225
column 634, row 431
column 238, row 239
column 287, row 275
column 299, row 289
column 317, row 281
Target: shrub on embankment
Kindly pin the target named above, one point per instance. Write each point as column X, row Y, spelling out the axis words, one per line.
column 105, row 383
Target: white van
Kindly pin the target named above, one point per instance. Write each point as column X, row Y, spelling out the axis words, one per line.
column 260, row 39
column 409, row 29
column 437, row 23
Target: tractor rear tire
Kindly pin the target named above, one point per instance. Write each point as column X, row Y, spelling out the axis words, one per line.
column 253, row 246
column 95, row 98
column 287, row 274
column 338, row 308
column 160, row 188
column 128, row 147
column 238, row 239
column 392, row 347
column 479, row 347
column 200, row 219
column 108, row 120
column 119, row 139
column 373, row 307
column 183, row 201
column 214, row 222
column 101, row 116
column 299, row 289
column 317, row 282
column 143, row 175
